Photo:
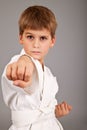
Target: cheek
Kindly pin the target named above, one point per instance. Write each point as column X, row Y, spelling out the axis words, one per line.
column 46, row 49
column 27, row 47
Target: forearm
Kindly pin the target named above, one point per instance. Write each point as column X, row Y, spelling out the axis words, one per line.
column 14, row 97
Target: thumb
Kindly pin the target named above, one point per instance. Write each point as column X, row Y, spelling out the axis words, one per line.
column 21, row 83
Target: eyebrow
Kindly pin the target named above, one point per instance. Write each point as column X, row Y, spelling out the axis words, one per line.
column 26, row 33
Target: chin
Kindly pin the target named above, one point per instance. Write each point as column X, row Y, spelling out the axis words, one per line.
column 35, row 56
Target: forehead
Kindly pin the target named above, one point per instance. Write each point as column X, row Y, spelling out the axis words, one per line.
column 37, row 32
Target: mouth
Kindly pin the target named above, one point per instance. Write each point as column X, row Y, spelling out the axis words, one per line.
column 36, row 52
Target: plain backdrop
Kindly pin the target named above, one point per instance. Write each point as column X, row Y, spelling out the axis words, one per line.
column 67, row 60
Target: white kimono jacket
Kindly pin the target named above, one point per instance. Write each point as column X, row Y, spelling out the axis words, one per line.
column 32, row 108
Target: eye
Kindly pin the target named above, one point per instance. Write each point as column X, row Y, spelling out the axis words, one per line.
column 42, row 38
column 30, row 37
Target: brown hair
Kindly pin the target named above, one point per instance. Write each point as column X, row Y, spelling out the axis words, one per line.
column 37, row 18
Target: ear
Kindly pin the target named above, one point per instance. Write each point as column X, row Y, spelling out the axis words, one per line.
column 53, row 41
column 20, row 39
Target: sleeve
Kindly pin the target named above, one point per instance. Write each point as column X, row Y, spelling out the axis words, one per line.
column 15, row 97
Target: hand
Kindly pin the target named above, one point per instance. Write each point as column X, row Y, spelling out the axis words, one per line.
column 62, row 109
column 21, row 71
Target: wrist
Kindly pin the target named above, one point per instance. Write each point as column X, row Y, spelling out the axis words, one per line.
column 26, row 57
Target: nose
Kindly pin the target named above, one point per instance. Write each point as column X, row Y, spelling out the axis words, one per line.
column 36, row 43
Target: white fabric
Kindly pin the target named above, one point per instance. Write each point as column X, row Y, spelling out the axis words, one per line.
column 32, row 108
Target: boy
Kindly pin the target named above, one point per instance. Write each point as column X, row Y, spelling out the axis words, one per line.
column 28, row 86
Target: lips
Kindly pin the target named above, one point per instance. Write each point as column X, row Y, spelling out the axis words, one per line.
column 36, row 52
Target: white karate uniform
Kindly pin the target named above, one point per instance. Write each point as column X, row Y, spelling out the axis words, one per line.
column 32, row 108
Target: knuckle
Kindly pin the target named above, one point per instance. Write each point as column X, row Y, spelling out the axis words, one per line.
column 8, row 76
column 20, row 75
column 14, row 77
column 27, row 76
column 14, row 64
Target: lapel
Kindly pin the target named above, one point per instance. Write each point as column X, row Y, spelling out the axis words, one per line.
column 50, row 88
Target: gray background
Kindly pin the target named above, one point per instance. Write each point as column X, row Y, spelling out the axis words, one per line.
column 67, row 59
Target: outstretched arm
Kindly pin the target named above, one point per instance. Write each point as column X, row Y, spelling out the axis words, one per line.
column 20, row 71
column 15, row 96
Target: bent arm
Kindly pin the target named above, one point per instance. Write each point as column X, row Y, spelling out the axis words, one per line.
column 62, row 109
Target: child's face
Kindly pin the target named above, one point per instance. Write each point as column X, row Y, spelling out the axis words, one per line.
column 37, row 43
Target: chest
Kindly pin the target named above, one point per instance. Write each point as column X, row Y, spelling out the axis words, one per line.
column 46, row 90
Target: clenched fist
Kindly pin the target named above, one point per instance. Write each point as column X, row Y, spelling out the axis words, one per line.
column 21, row 71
